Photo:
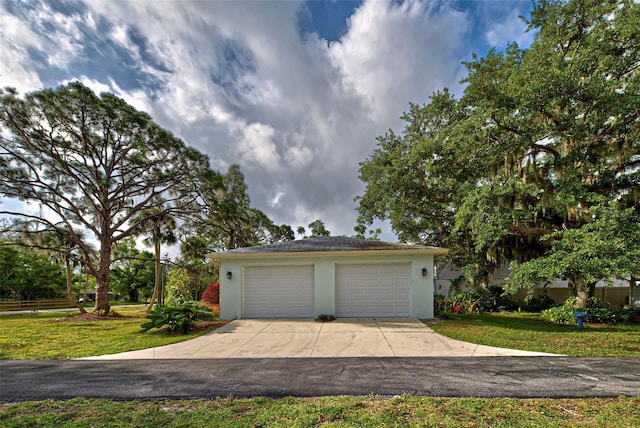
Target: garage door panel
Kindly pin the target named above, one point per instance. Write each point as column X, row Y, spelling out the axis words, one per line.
column 387, row 290
column 387, row 269
column 278, row 291
column 388, row 297
column 401, row 297
column 358, row 283
column 388, row 310
column 388, row 283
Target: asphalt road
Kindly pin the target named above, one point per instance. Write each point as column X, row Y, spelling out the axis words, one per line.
column 305, row 377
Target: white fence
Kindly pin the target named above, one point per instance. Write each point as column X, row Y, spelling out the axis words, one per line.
column 615, row 296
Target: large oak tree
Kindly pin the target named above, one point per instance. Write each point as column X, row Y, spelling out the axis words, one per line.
column 533, row 154
column 92, row 163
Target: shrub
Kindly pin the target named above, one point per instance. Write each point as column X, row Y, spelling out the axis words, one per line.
column 538, row 304
column 610, row 315
column 441, row 303
column 560, row 314
column 481, row 300
column 211, row 296
column 215, row 310
column 181, row 318
column 600, row 314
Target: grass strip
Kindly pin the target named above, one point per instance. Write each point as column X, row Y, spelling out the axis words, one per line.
column 369, row 411
column 529, row 332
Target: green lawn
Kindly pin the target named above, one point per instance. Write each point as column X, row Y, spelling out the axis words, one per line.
column 369, row 411
column 529, row 332
column 42, row 336
column 47, row 335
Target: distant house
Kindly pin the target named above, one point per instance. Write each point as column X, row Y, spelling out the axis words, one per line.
column 616, row 295
column 91, row 296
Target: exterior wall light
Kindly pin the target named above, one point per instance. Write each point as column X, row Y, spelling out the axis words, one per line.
column 229, row 275
column 424, row 271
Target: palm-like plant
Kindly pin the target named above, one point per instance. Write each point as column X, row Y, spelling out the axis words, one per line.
column 159, row 228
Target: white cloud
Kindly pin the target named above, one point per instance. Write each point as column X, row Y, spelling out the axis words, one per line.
column 136, row 98
column 236, row 80
column 299, row 157
column 276, row 199
column 511, row 29
column 257, row 147
column 119, row 34
column 63, row 38
column 16, row 69
column 396, row 53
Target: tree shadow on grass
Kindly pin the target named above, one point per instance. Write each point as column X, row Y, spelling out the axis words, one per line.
column 534, row 323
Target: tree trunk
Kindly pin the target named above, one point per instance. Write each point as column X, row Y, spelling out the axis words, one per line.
column 232, row 240
column 157, row 271
column 162, row 280
column 86, row 283
column 102, row 295
column 134, row 295
column 582, row 290
column 196, row 286
column 153, row 299
column 156, row 287
column 67, row 267
column 102, row 281
column 592, row 290
column 67, row 271
column 582, row 297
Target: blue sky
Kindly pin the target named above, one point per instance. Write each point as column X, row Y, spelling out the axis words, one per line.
column 294, row 92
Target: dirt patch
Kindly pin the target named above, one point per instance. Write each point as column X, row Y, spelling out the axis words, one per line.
column 202, row 325
column 113, row 316
column 90, row 316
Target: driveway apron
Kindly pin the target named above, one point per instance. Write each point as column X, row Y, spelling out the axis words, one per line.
column 306, row 338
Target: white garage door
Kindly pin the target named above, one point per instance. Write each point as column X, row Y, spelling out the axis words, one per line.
column 372, row 290
column 278, row 292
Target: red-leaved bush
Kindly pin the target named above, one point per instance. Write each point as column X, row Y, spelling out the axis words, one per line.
column 211, row 295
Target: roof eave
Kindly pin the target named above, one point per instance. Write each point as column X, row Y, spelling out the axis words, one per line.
column 435, row 251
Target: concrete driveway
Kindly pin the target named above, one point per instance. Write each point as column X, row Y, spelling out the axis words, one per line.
column 305, row 338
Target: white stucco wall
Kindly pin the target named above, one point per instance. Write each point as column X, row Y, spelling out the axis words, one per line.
column 421, row 288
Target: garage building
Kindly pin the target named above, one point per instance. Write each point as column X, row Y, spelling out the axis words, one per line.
column 345, row 277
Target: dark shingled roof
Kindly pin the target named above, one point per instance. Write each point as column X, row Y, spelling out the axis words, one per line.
column 327, row 243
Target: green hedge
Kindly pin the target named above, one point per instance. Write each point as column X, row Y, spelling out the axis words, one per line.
column 564, row 315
